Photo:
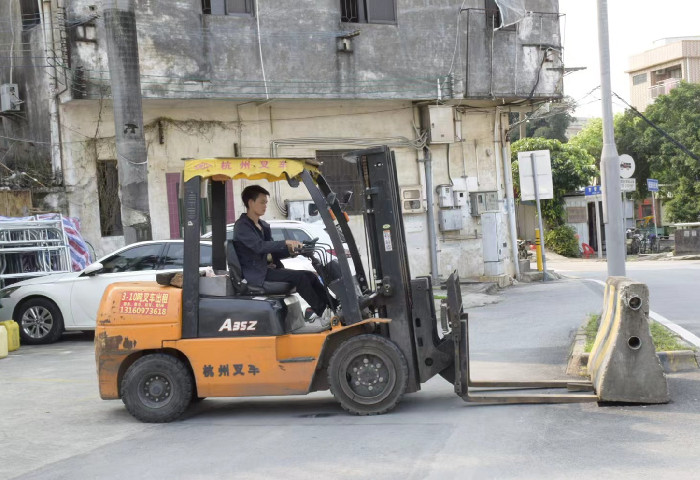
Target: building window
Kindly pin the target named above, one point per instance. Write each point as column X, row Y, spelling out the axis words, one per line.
column 493, row 14
column 342, row 177
column 228, row 7
column 639, row 79
column 30, row 13
column 108, row 196
column 175, row 206
column 368, row 11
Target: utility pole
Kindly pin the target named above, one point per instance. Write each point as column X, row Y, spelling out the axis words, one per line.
column 609, row 160
column 123, row 56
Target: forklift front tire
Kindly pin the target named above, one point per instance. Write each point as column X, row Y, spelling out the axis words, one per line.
column 157, row 388
column 368, row 375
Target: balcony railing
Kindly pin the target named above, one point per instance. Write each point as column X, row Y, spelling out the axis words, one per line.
column 664, row 87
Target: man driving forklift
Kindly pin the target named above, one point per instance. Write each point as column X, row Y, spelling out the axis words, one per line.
column 253, row 242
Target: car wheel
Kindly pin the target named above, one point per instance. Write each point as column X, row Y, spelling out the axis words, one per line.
column 368, row 375
column 40, row 321
column 157, row 388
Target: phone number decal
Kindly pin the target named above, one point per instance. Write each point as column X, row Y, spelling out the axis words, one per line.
column 144, row 303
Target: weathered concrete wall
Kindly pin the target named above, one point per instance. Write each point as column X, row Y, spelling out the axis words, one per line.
column 27, row 131
column 186, row 54
column 210, row 128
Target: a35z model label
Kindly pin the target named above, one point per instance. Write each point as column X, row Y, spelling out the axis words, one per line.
column 229, row 326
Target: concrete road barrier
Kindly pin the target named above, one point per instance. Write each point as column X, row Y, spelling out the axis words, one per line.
column 623, row 363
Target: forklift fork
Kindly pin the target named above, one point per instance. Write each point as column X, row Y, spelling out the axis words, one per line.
column 493, row 392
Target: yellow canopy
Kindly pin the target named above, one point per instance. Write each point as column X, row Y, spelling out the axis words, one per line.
column 270, row 169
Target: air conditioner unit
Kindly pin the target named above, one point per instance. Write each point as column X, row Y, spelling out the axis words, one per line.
column 9, row 98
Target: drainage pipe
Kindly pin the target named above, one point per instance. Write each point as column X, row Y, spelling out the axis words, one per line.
column 432, row 237
column 500, row 147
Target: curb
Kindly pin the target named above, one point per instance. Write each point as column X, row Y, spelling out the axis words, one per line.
column 675, row 361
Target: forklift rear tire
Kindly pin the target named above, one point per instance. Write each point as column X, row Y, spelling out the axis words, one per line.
column 157, row 388
column 368, row 375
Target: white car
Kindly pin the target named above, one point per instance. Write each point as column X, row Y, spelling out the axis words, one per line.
column 300, row 231
column 46, row 306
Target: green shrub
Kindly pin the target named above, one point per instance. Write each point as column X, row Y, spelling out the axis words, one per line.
column 562, row 240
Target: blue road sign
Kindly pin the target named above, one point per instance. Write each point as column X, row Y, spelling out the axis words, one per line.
column 652, row 185
column 593, row 190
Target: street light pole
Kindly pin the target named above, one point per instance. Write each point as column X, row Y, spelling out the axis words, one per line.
column 609, row 160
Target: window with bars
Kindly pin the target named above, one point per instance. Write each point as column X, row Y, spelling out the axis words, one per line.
column 368, row 11
column 30, row 13
column 493, row 16
column 228, row 7
column 108, row 198
column 342, row 177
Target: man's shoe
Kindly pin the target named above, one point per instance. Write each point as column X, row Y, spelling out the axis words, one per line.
column 309, row 315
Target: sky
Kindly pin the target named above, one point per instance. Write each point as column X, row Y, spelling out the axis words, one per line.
column 634, row 25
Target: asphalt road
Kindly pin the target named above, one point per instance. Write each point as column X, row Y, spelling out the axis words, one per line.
column 54, row 425
column 674, row 285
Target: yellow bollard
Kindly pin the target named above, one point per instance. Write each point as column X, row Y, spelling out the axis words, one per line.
column 538, row 249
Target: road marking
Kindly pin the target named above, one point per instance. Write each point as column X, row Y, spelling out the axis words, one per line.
column 684, row 334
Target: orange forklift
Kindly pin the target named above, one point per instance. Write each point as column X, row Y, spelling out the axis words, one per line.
column 159, row 346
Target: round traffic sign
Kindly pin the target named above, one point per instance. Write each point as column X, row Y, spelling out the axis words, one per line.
column 626, row 166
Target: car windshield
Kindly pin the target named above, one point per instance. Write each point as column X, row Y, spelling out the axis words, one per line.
column 175, row 255
column 143, row 257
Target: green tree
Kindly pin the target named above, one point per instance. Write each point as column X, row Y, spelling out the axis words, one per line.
column 590, row 138
column 572, row 169
column 656, row 156
column 678, row 114
column 549, row 125
column 628, row 139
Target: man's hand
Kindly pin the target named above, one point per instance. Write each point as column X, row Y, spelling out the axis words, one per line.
column 293, row 246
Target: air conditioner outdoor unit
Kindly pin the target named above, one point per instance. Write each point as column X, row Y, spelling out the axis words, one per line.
column 9, row 98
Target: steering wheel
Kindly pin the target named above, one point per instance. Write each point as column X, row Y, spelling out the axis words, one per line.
column 308, row 246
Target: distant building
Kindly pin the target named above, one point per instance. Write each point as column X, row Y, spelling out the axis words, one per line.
column 659, row 70
column 576, row 126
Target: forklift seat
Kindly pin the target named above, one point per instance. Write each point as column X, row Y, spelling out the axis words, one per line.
column 242, row 288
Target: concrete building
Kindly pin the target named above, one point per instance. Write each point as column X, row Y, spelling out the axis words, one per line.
column 290, row 78
column 657, row 71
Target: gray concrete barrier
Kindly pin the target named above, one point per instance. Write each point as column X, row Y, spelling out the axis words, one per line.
column 623, row 363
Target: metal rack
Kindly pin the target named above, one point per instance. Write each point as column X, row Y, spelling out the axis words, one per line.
column 31, row 248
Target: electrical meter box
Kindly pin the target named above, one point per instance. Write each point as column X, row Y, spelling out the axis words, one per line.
column 440, row 120
column 482, row 202
column 450, row 220
column 412, row 199
column 445, row 197
column 9, row 98
column 460, row 198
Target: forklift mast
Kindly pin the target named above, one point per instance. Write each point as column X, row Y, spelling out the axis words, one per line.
column 408, row 303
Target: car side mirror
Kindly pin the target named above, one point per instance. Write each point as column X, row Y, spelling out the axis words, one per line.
column 92, row 269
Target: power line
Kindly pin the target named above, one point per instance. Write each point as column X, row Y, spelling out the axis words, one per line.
column 660, row 130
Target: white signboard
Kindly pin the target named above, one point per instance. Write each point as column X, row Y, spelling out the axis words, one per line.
column 626, row 166
column 543, row 166
column 628, row 184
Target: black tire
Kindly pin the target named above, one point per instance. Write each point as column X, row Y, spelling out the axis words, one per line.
column 157, row 388
column 40, row 321
column 368, row 375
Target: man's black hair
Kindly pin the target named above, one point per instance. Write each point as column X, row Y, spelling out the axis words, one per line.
column 252, row 192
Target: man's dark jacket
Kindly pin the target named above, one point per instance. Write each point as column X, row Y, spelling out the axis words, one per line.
column 252, row 247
